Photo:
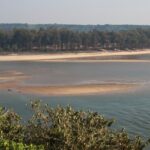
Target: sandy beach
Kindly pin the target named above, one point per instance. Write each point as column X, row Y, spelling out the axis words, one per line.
column 76, row 57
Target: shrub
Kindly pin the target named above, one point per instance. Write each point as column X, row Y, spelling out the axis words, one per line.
column 11, row 145
column 64, row 129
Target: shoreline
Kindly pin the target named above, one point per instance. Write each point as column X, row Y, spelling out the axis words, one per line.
column 75, row 57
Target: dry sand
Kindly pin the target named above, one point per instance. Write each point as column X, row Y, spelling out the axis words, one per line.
column 70, row 56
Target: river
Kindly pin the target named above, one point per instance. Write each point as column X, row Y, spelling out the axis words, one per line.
column 130, row 109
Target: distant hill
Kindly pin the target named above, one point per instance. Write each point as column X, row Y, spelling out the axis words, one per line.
column 72, row 27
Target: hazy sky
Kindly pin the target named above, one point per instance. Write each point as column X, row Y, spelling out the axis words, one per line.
column 75, row 11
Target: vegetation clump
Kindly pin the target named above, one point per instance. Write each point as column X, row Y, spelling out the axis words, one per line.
column 62, row 129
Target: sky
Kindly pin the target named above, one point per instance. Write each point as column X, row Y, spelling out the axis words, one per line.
column 75, row 11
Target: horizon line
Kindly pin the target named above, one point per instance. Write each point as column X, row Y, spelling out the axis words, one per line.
column 75, row 24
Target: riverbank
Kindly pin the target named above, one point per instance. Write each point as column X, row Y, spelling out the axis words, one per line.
column 81, row 56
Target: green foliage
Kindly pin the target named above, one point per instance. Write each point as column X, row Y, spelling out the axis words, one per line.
column 11, row 132
column 11, row 145
column 10, row 127
column 73, row 27
column 63, row 129
column 56, row 39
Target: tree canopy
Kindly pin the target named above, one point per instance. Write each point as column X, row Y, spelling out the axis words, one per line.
column 20, row 40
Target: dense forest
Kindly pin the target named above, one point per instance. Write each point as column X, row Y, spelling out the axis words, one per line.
column 72, row 27
column 19, row 40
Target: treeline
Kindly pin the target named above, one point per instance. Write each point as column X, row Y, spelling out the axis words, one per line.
column 73, row 27
column 20, row 40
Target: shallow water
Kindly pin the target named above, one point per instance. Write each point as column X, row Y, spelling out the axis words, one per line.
column 122, row 57
column 131, row 109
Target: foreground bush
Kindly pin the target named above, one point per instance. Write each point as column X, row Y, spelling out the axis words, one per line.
column 63, row 129
column 11, row 145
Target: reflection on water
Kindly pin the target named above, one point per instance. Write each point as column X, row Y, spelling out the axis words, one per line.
column 131, row 110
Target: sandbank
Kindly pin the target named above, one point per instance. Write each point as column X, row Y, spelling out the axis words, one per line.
column 12, row 80
column 73, row 56
column 13, row 75
column 77, row 89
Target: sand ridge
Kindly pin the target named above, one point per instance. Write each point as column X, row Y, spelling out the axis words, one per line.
column 12, row 80
column 86, row 89
column 68, row 56
column 12, row 75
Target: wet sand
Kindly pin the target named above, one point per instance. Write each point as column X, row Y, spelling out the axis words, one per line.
column 73, row 56
column 77, row 89
column 98, row 61
column 8, row 85
column 11, row 76
column 12, row 80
